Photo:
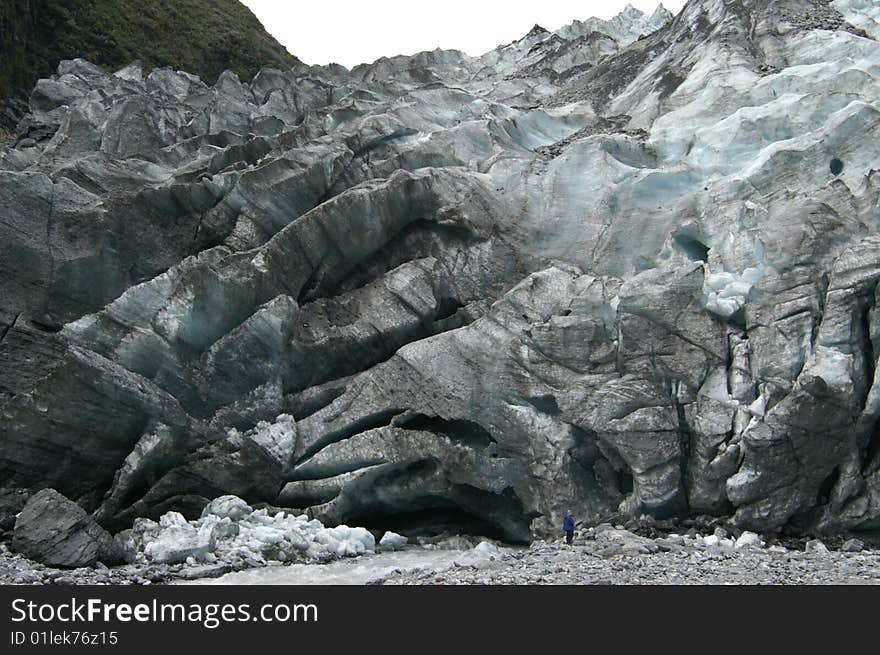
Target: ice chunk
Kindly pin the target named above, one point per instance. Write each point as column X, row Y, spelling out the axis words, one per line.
column 231, row 507
column 726, row 293
column 735, row 289
column 717, row 281
column 171, row 519
column 176, row 543
column 266, row 535
column 357, row 535
column 392, row 541
column 723, row 306
column 749, row 540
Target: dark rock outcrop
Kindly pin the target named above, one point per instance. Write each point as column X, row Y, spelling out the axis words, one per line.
column 55, row 531
column 12, row 501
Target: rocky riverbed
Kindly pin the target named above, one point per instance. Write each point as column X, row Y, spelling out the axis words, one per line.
column 585, row 564
column 632, row 554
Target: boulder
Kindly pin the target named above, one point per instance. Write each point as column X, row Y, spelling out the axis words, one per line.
column 853, row 546
column 748, row 540
column 391, row 541
column 816, row 547
column 56, row 531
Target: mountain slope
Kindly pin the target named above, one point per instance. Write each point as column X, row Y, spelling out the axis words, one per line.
column 444, row 292
column 200, row 36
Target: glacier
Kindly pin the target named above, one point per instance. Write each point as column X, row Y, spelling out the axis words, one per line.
column 608, row 267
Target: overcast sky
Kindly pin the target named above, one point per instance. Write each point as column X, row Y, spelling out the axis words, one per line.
column 351, row 32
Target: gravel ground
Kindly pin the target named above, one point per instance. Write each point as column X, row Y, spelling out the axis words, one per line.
column 593, row 562
column 15, row 569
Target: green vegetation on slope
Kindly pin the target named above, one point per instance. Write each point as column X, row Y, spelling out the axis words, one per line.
column 204, row 37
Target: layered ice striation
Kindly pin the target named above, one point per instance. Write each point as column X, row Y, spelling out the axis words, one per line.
column 627, row 267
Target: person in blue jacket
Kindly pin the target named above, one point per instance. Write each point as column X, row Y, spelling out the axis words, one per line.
column 568, row 527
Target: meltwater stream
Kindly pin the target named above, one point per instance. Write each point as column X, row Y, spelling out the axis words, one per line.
column 360, row 570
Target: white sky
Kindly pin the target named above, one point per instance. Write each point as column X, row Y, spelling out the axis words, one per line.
column 351, row 32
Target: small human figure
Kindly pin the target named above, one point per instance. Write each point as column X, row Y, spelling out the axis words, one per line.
column 568, row 527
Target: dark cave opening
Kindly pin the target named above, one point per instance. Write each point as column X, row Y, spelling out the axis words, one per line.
column 738, row 319
column 836, row 166
column 827, row 486
column 447, row 307
column 691, row 247
column 434, row 522
column 421, row 500
column 471, row 512
column 585, row 451
column 624, row 481
column 613, row 468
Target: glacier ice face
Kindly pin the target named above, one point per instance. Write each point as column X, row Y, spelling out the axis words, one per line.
column 448, row 293
column 863, row 14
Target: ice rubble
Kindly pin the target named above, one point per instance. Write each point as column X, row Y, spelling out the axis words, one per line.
column 726, row 293
column 230, row 531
